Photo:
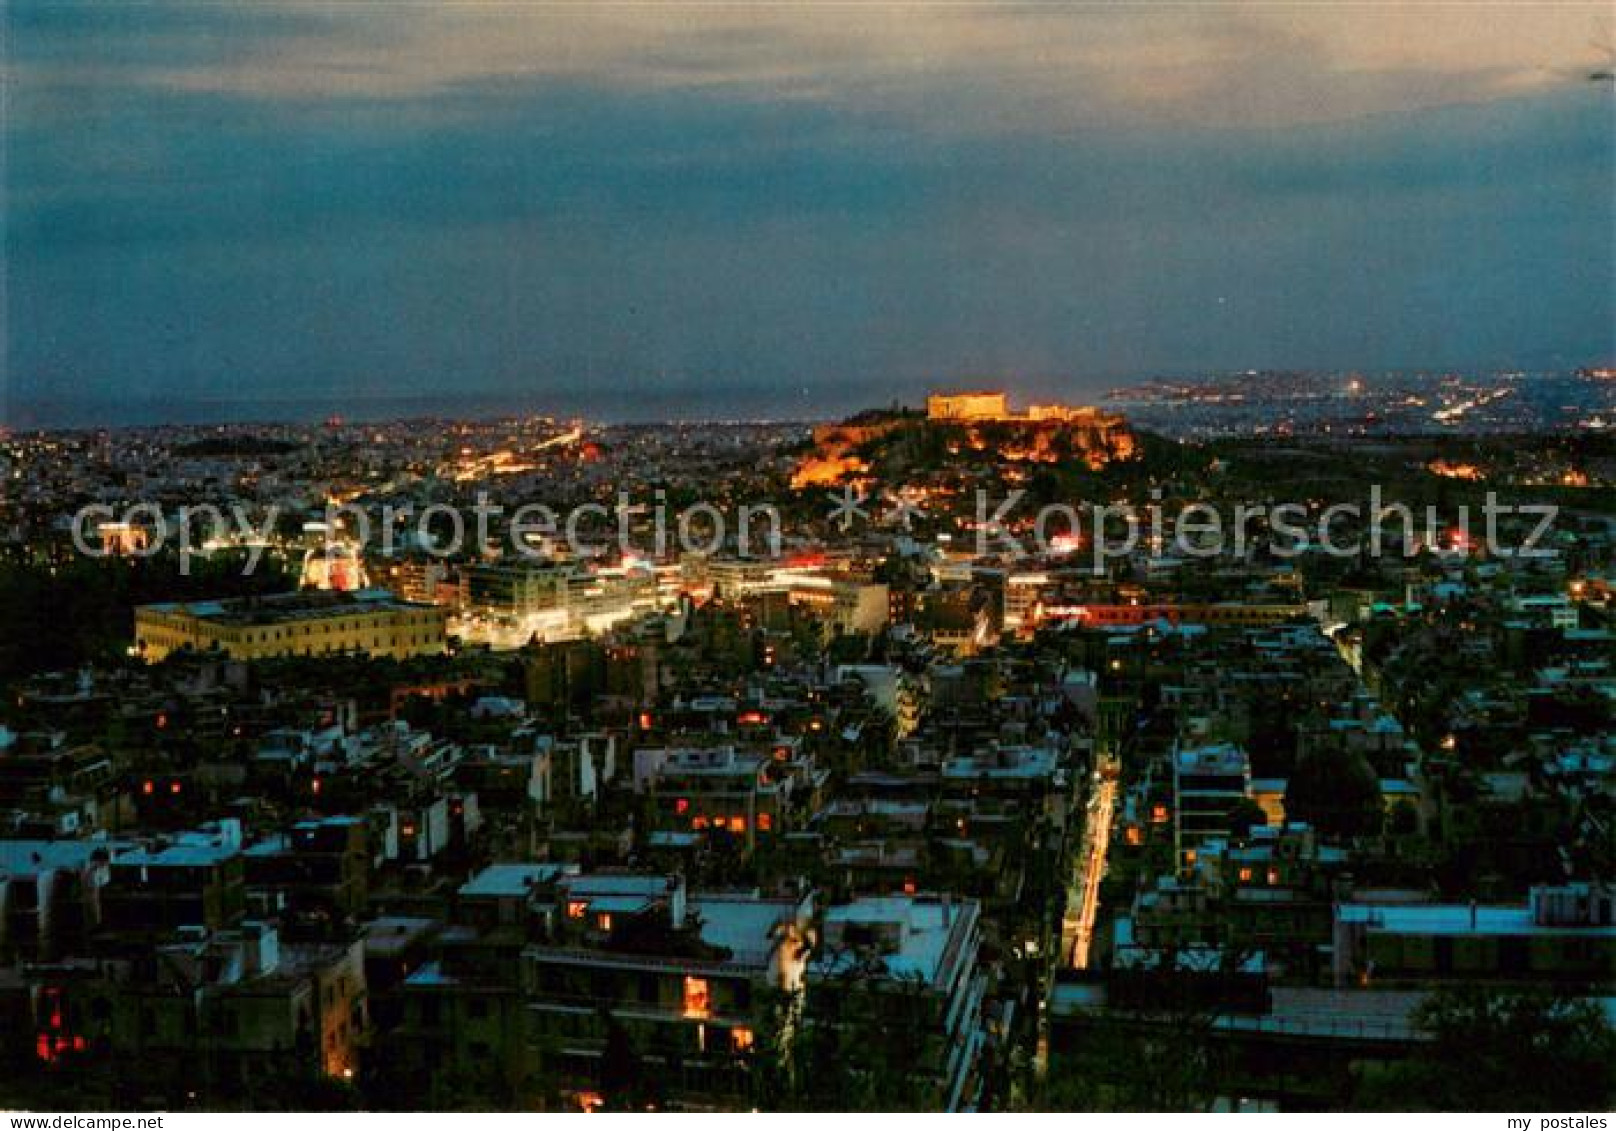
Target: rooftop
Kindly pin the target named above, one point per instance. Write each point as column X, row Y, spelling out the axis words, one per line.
column 744, row 924
column 279, row 607
column 1457, row 919
column 914, row 931
column 508, row 881
column 30, row 857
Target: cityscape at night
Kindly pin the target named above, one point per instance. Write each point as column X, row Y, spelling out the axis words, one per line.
column 916, row 557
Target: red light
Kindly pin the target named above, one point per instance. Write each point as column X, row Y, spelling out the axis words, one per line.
column 147, row 787
column 174, row 787
column 681, row 806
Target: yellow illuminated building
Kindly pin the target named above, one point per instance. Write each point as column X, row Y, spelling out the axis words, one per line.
column 967, row 406
column 293, row 624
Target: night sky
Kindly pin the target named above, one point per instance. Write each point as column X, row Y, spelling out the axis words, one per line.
column 644, row 210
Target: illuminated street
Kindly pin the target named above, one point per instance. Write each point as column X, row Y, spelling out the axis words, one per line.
column 1083, row 902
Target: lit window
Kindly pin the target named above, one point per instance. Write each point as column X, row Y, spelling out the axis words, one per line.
column 576, row 908
column 1159, row 814
column 737, row 825
column 697, row 999
column 682, row 806
column 765, row 822
column 741, row 1038
column 605, row 921
column 1245, row 875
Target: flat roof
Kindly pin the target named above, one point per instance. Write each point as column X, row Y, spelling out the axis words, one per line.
column 178, row 856
column 596, row 885
column 926, row 925
column 30, row 857
column 743, row 924
column 392, row 933
column 277, row 607
column 508, row 880
column 1455, row 919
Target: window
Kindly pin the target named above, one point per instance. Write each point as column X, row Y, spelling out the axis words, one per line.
column 741, row 1038
column 576, row 908
column 697, row 1001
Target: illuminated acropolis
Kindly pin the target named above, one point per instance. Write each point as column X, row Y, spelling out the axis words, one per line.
column 981, row 407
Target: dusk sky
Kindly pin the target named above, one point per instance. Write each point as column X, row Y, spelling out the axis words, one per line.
column 655, row 209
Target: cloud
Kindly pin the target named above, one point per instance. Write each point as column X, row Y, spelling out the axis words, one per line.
column 359, row 198
column 576, row 237
column 940, row 65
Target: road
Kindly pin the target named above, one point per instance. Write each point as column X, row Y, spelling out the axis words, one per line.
column 1083, row 900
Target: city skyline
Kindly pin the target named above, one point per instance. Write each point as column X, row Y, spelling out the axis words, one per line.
column 916, row 556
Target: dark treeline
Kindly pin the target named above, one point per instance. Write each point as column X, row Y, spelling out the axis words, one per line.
column 58, row 616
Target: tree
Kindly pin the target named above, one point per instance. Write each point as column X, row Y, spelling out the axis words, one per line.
column 622, row 1079
column 863, row 1041
column 1491, row 1050
column 1245, row 815
column 1336, row 793
column 1154, row 1047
